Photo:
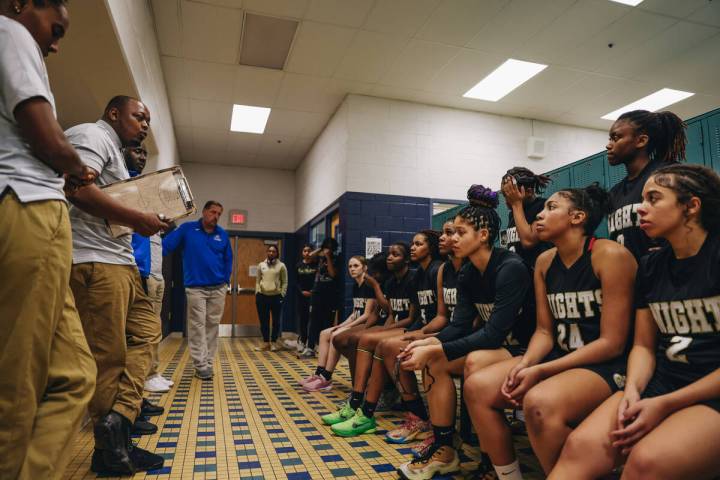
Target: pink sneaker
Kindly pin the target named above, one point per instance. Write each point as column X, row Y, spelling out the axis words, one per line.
column 309, row 379
column 318, row 384
column 412, row 429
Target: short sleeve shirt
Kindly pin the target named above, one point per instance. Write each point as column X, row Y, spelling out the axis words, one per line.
column 99, row 148
column 23, row 76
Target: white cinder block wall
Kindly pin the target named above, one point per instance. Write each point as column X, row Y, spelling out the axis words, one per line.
column 267, row 194
column 403, row 148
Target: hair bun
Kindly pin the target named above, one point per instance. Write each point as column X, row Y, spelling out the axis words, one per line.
column 481, row 196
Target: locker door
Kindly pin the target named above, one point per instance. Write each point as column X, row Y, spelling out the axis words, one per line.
column 613, row 174
column 695, row 149
column 559, row 179
column 712, row 143
column 503, row 212
column 587, row 172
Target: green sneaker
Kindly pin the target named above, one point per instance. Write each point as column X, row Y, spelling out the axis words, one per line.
column 341, row 415
column 357, row 425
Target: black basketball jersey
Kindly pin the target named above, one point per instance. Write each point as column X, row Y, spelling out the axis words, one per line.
column 683, row 296
column 449, row 286
column 360, row 295
column 400, row 293
column 306, row 276
column 496, row 298
column 425, row 296
column 575, row 298
column 510, row 239
column 623, row 219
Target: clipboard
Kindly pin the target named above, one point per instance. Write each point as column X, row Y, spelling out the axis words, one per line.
column 165, row 192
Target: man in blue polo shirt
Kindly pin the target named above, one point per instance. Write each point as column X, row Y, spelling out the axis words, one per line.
column 207, row 265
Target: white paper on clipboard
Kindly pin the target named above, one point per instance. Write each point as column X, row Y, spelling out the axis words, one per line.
column 165, row 192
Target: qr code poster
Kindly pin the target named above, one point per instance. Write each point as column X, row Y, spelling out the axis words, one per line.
column 373, row 246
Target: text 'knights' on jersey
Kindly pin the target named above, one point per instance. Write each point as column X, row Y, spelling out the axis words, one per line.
column 449, row 286
column 399, row 293
column 683, row 296
column 426, row 294
column 575, row 299
column 361, row 294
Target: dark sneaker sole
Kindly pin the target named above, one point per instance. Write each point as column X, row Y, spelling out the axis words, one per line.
column 111, row 464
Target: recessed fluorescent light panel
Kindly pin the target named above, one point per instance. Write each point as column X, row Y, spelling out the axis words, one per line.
column 249, row 119
column 632, row 3
column 504, row 79
column 655, row 101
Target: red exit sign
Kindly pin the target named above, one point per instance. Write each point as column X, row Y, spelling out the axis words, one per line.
column 238, row 218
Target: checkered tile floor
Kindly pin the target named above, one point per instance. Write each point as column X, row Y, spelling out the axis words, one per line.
column 253, row 421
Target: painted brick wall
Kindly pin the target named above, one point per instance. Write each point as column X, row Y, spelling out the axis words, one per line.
column 390, row 217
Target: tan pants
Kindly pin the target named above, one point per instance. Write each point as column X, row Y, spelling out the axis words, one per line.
column 47, row 375
column 205, row 307
column 156, row 289
column 119, row 323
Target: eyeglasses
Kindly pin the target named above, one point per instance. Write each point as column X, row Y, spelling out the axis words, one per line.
column 422, row 390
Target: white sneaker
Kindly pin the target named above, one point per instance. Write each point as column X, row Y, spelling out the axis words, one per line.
column 156, row 385
column 290, row 344
column 167, row 381
column 307, row 353
column 300, row 346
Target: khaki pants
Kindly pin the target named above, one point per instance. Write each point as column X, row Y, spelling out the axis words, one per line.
column 47, row 375
column 119, row 323
column 156, row 289
column 205, row 307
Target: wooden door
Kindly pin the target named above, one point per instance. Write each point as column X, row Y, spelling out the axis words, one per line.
column 248, row 253
column 227, row 318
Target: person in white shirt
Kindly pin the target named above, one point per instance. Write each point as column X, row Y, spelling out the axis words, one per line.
column 270, row 290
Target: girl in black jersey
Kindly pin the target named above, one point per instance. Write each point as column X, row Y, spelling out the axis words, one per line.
column 521, row 187
column 642, row 141
column 306, row 270
column 363, row 307
column 575, row 357
column 494, row 286
column 324, row 299
column 666, row 424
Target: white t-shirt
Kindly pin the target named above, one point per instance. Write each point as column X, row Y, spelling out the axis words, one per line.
column 99, row 148
column 23, row 76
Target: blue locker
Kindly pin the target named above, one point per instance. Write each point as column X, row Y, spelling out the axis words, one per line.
column 588, row 171
column 712, row 141
column 695, row 148
column 559, row 179
column 613, row 175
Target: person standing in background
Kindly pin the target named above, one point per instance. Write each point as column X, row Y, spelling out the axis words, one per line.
column 270, row 289
column 207, row 266
column 48, row 373
column 324, row 299
column 306, row 271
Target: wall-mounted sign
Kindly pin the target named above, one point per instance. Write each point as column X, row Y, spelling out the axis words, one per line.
column 373, row 246
column 252, row 271
column 238, row 218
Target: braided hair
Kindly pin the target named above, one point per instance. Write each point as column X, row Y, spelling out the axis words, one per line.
column 665, row 131
column 481, row 213
column 526, row 178
column 593, row 200
column 688, row 181
column 432, row 237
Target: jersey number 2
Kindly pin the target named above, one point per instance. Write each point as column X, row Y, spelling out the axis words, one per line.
column 678, row 344
column 575, row 340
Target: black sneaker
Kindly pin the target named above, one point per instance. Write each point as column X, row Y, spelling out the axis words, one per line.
column 204, row 373
column 143, row 427
column 112, row 436
column 144, row 460
column 150, row 410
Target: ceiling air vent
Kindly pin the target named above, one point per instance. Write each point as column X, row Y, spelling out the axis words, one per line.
column 266, row 41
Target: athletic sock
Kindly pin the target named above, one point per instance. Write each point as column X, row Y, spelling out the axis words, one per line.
column 509, row 472
column 326, row 375
column 443, row 435
column 356, row 399
column 368, row 409
column 485, row 459
column 416, row 407
column 319, row 370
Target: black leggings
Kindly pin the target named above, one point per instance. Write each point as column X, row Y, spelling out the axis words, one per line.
column 265, row 305
column 321, row 317
column 303, row 316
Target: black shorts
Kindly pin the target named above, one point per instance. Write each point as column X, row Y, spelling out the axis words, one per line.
column 515, row 350
column 613, row 372
column 659, row 385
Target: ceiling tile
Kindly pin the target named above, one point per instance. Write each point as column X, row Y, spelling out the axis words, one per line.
column 280, row 8
column 672, row 7
column 709, row 14
column 184, row 139
column 211, row 81
column 403, row 17
column 546, row 88
column 167, row 25
column 300, row 92
column 524, row 18
column 211, row 33
column 465, row 70
column 180, row 108
column 456, row 22
column 208, row 141
column 418, row 64
column 293, row 123
column 222, row 3
column 319, row 48
column 302, row 147
column 277, row 145
column 370, row 55
column 256, row 86
column 206, row 114
column 339, row 12
column 240, row 143
column 177, row 76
